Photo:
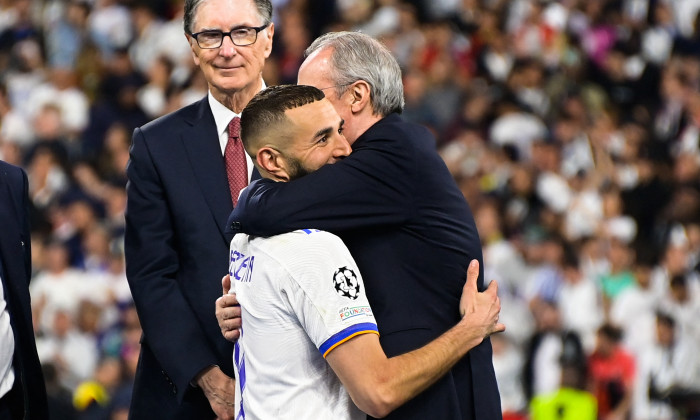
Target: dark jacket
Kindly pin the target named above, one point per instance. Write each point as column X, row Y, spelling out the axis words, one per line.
column 15, row 263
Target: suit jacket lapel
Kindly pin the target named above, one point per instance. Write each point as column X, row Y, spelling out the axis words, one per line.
column 11, row 253
column 201, row 142
column 8, row 231
column 7, row 214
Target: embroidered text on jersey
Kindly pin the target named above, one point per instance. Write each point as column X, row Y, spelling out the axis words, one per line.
column 240, row 267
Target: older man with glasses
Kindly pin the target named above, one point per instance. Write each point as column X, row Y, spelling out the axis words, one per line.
column 185, row 173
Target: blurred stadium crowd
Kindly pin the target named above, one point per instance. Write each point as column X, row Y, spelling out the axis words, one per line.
column 571, row 126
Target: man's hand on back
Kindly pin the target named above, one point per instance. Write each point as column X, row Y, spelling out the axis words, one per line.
column 480, row 310
column 228, row 312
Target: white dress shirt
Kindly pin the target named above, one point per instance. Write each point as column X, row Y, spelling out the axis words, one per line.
column 222, row 117
column 7, row 346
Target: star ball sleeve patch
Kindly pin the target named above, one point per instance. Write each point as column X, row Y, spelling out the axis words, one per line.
column 346, row 283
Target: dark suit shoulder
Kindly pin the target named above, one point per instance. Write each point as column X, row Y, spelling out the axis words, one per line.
column 174, row 121
column 409, row 145
column 395, row 133
column 9, row 169
column 12, row 174
column 394, row 123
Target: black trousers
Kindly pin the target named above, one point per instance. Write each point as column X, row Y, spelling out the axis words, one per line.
column 11, row 404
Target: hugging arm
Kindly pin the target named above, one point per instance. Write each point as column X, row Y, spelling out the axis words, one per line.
column 378, row 384
column 360, row 191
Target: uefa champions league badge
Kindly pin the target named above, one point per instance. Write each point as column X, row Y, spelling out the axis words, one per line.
column 346, row 283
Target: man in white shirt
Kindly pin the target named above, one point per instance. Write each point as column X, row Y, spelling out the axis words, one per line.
column 302, row 297
column 669, row 366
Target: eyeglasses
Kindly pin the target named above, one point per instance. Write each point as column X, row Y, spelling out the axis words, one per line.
column 241, row 36
column 336, row 86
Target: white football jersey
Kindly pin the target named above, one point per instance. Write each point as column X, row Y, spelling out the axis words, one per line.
column 301, row 295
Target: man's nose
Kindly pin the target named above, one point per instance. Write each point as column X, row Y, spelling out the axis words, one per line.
column 227, row 47
column 343, row 147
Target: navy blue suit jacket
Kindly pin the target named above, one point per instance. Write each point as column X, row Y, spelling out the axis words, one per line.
column 412, row 234
column 176, row 253
column 15, row 263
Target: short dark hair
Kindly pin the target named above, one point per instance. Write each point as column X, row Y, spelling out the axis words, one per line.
column 570, row 257
column 678, row 280
column 264, row 10
column 267, row 109
column 665, row 318
column 612, row 332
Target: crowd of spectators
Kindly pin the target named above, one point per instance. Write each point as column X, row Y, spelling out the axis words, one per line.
column 571, row 126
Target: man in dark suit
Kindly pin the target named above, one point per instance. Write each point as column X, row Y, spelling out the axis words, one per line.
column 22, row 391
column 398, row 210
column 184, row 178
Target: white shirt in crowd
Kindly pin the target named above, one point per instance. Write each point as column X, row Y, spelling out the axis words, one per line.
column 634, row 309
column 665, row 368
column 53, row 292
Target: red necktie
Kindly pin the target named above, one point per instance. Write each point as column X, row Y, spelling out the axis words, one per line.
column 234, row 157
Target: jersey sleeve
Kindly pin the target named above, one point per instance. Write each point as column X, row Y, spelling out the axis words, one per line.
column 327, row 293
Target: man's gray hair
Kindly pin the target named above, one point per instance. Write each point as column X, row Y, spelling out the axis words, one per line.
column 358, row 56
column 264, row 10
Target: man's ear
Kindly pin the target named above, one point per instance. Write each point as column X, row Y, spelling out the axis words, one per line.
column 360, row 96
column 193, row 46
column 268, row 40
column 272, row 162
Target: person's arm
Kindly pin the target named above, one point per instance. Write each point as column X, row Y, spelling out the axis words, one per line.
column 169, row 323
column 371, row 187
column 378, row 384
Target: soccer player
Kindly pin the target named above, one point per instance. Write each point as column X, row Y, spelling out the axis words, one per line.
column 302, row 297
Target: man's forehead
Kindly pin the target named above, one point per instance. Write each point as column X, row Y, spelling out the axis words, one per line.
column 313, row 116
column 315, row 68
column 233, row 12
column 300, row 112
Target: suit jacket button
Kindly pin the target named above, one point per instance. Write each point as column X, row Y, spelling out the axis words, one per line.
column 236, row 226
